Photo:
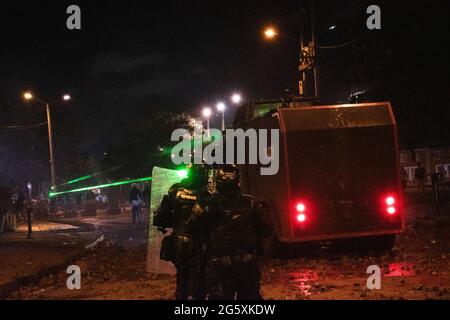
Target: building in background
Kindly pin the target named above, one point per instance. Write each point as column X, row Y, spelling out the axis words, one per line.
column 434, row 160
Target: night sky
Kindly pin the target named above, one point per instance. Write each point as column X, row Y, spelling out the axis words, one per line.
column 134, row 56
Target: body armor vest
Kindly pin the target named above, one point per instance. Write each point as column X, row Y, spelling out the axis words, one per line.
column 233, row 229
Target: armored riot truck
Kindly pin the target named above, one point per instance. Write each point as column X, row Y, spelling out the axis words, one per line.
column 339, row 174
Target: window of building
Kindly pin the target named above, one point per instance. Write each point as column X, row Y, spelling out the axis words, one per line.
column 410, row 171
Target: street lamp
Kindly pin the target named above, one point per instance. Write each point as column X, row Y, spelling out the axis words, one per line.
column 236, row 98
column 270, row 33
column 207, row 113
column 66, row 97
column 221, row 108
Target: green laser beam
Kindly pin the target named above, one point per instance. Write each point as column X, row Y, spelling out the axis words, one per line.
column 79, row 179
column 83, row 178
column 102, row 186
column 75, row 180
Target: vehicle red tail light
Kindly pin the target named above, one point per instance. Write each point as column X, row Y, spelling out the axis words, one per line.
column 390, row 203
column 301, row 209
column 391, row 210
column 301, row 217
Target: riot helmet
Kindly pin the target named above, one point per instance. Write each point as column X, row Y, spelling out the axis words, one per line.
column 227, row 178
column 197, row 175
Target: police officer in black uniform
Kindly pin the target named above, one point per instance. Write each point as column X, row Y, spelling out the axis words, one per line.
column 235, row 222
column 186, row 249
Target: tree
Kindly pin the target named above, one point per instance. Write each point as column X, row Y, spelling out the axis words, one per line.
column 144, row 145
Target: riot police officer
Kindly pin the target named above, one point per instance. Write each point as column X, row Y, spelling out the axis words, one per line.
column 235, row 222
column 183, row 247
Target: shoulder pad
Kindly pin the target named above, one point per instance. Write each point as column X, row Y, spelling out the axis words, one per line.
column 185, row 194
column 174, row 188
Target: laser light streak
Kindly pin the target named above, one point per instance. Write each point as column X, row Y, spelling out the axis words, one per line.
column 79, row 179
column 89, row 176
column 102, row 186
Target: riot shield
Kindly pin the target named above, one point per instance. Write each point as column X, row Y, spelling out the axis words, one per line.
column 162, row 180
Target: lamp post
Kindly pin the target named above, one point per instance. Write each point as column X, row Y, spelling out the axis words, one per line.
column 221, row 108
column 29, row 96
column 207, row 113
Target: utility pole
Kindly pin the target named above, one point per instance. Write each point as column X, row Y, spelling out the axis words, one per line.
column 66, row 97
column 308, row 54
column 50, row 144
column 314, row 45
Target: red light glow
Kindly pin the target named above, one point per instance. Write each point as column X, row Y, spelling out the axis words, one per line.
column 391, row 210
column 301, row 217
column 390, row 201
column 300, row 207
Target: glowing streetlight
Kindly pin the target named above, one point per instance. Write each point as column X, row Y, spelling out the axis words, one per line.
column 207, row 113
column 236, row 98
column 221, row 107
column 270, row 33
column 29, row 96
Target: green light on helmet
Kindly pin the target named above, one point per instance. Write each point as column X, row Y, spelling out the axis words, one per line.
column 182, row 173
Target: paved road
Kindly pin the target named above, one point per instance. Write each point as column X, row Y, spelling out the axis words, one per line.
column 54, row 242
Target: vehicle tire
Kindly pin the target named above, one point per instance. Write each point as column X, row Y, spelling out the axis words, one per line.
column 268, row 246
column 364, row 245
column 382, row 243
column 274, row 249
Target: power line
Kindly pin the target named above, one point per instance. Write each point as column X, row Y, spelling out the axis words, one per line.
column 345, row 43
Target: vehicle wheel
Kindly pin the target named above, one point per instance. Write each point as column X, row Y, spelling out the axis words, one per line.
column 382, row 243
column 274, row 249
column 376, row 244
column 268, row 246
column 388, row 242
